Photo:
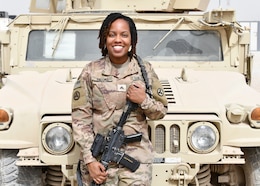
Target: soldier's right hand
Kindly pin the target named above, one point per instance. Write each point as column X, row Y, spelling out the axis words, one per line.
column 97, row 172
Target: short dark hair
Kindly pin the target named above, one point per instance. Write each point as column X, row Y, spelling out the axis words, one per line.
column 103, row 32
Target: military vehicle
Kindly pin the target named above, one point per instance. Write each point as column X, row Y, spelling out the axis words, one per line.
column 210, row 135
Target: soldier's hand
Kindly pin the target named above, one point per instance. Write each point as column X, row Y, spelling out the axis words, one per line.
column 136, row 92
column 97, row 172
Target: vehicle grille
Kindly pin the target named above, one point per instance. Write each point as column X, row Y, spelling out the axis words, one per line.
column 174, row 139
column 160, row 138
column 168, row 91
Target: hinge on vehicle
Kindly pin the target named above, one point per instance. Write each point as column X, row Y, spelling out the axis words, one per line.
column 181, row 175
column 1, row 79
column 232, row 155
column 28, row 157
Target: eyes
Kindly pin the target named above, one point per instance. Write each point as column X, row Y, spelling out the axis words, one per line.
column 123, row 34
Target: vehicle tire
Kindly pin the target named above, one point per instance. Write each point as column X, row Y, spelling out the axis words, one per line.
column 12, row 175
column 252, row 166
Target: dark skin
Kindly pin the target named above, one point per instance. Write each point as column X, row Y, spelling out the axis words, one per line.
column 136, row 92
column 118, row 43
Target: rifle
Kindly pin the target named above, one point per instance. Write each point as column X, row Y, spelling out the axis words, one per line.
column 109, row 147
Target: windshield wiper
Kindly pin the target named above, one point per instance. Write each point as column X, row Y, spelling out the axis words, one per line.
column 61, row 26
column 163, row 38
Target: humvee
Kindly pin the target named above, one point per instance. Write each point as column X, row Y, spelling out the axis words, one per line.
column 210, row 135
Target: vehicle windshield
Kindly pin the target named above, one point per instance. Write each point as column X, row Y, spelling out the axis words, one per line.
column 154, row 45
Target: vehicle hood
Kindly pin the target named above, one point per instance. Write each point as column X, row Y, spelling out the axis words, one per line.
column 44, row 93
column 194, row 90
column 51, row 92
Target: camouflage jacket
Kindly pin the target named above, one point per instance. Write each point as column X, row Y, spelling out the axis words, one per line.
column 98, row 100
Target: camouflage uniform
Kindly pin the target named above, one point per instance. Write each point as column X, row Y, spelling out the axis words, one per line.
column 99, row 97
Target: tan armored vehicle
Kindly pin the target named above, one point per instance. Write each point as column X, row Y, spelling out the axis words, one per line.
column 211, row 134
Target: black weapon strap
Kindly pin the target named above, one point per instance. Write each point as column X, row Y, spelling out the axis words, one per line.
column 79, row 176
column 130, row 106
column 145, row 76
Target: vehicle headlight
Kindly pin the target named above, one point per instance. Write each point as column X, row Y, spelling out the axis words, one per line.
column 203, row 137
column 6, row 116
column 254, row 117
column 57, row 138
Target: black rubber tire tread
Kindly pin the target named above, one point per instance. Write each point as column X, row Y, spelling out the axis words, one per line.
column 252, row 166
column 12, row 175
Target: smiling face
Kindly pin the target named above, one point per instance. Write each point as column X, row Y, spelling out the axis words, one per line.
column 118, row 41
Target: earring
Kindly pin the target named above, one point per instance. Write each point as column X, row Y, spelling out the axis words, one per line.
column 130, row 48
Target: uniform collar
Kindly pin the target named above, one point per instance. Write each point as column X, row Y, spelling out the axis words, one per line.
column 109, row 70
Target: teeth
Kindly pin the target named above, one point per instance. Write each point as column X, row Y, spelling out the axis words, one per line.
column 118, row 47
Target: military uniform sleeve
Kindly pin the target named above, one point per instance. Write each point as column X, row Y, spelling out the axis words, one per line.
column 155, row 107
column 82, row 115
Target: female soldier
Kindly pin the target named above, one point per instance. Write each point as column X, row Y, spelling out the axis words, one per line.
column 99, row 98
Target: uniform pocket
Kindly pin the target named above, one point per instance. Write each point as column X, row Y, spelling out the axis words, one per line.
column 108, row 93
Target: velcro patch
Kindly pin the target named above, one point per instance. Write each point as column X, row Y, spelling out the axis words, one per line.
column 158, row 92
column 79, row 95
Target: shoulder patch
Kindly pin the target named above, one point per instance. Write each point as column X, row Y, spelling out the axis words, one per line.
column 158, row 92
column 78, row 95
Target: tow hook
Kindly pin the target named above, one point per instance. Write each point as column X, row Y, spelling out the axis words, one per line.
column 180, row 175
